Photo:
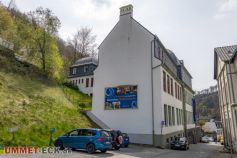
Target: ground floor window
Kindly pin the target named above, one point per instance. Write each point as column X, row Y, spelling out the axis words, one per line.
column 92, row 82
column 177, row 116
column 165, row 115
column 87, row 82
column 173, row 116
column 170, row 117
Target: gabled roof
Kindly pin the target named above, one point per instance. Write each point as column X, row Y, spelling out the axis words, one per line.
column 226, row 54
column 86, row 60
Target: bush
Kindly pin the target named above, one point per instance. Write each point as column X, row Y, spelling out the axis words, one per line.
column 82, row 105
column 70, row 85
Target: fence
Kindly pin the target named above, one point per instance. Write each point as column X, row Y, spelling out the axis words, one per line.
column 6, row 44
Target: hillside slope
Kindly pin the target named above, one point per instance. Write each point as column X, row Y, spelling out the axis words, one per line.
column 33, row 105
column 208, row 105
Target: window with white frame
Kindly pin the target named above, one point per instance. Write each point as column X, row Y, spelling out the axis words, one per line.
column 170, row 116
column 165, row 115
column 74, row 71
column 86, row 68
column 173, row 116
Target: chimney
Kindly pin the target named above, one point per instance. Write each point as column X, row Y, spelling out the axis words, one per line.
column 126, row 10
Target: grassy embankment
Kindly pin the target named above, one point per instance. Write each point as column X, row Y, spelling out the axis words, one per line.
column 34, row 104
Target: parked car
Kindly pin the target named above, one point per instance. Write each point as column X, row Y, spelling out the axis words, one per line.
column 117, row 138
column 180, row 143
column 88, row 139
column 125, row 140
column 207, row 139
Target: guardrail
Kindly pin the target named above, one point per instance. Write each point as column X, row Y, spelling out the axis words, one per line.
column 4, row 43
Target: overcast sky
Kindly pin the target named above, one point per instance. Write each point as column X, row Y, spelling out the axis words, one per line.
column 190, row 28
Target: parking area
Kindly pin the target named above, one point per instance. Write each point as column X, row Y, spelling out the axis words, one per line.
column 201, row 150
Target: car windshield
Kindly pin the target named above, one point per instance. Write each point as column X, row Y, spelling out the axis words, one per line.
column 182, row 139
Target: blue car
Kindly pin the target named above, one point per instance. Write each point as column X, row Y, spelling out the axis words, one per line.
column 88, row 139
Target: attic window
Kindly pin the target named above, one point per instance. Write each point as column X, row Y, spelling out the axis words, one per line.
column 74, row 71
column 86, row 68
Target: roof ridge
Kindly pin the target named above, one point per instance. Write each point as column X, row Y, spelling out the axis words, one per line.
column 226, row 46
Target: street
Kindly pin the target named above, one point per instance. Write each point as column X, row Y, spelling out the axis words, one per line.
column 201, row 150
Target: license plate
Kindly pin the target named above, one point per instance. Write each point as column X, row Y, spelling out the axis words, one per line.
column 177, row 145
column 107, row 142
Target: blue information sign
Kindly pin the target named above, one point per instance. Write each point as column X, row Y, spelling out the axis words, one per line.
column 121, row 97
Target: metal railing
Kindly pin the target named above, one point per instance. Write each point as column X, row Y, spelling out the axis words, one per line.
column 4, row 43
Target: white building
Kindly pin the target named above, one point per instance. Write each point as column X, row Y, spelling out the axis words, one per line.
column 225, row 72
column 81, row 74
column 141, row 87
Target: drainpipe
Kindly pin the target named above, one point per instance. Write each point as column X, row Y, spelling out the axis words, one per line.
column 152, row 93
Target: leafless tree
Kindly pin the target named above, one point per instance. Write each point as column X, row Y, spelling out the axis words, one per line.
column 12, row 5
column 83, row 43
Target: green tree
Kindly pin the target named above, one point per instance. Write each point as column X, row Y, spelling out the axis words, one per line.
column 45, row 27
column 7, row 26
column 54, row 60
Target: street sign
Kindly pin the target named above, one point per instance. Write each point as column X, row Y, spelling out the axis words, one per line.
column 13, row 129
column 52, row 130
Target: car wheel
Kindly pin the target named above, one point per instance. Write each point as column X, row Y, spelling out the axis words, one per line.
column 90, row 148
column 116, row 147
column 103, row 151
column 59, row 144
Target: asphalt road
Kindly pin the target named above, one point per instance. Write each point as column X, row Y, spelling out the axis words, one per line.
column 201, row 150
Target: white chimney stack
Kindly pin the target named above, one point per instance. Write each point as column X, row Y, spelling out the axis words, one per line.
column 126, row 10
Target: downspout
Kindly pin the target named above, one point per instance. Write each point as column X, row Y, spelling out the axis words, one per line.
column 152, row 93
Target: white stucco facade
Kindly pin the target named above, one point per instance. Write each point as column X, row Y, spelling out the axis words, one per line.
column 126, row 58
column 80, row 82
column 226, row 76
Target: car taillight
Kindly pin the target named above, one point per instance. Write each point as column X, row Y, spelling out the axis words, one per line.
column 101, row 139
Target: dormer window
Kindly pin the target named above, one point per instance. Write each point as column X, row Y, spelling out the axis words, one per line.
column 91, row 68
column 74, row 71
column 86, row 68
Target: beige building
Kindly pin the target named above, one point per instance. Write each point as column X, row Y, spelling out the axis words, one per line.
column 225, row 72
